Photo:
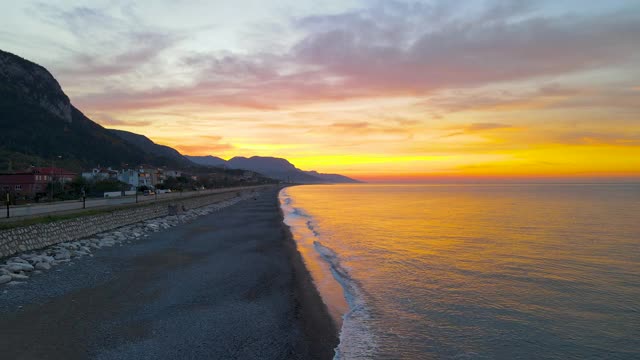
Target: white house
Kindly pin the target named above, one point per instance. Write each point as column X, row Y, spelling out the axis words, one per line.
column 100, row 174
column 130, row 177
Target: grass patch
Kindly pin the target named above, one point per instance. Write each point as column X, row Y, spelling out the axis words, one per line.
column 53, row 218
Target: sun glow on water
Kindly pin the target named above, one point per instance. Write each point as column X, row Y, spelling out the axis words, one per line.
column 481, row 271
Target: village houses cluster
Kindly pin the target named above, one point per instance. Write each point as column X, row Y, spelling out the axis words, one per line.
column 35, row 181
column 149, row 177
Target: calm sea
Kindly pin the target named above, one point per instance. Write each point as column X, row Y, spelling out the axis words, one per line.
column 475, row 271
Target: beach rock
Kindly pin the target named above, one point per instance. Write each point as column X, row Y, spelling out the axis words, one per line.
column 43, row 266
column 20, row 276
column 106, row 243
column 28, row 256
column 63, row 255
column 5, row 279
column 15, row 267
column 17, row 260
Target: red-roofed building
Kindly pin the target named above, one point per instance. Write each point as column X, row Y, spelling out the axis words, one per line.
column 34, row 181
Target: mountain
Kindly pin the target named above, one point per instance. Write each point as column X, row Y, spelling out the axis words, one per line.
column 38, row 123
column 207, row 160
column 148, row 146
column 276, row 168
column 332, row 178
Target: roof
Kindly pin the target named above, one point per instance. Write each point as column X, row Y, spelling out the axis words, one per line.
column 52, row 171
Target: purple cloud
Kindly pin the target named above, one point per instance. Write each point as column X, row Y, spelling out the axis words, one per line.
column 388, row 49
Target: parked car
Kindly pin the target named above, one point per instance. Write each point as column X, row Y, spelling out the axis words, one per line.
column 148, row 192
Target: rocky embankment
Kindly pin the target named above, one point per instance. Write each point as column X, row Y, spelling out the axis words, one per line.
column 20, row 268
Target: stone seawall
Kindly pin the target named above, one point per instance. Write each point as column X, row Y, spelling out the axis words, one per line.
column 38, row 236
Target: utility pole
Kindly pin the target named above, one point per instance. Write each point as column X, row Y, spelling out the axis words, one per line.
column 84, row 199
column 51, row 181
column 8, row 200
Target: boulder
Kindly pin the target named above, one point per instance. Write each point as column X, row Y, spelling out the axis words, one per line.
column 43, row 266
column 106, row 243
column 15, row 267
column 5, row 279
column 19, row 276
column 17, row 260
column 63, row 255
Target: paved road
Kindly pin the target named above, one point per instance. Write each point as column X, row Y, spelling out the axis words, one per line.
column 222, row 287
column 36, row 209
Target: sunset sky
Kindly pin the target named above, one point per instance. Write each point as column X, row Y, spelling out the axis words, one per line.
column 378, row 90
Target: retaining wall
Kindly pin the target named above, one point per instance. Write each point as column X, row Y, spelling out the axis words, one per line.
column 38, row 236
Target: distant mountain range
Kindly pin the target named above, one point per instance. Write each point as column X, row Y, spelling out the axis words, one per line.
column 208, row 160
column 276, row 168
column 38, row 124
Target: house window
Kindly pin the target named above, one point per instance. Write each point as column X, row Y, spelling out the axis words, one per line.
column 18, row 187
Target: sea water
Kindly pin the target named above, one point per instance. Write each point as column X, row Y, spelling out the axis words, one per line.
column 509, row 271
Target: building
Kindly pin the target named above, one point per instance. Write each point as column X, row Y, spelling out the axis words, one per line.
column 150, row 176
column 33, row 182
column 172, row 173
column 144, row 178
column 98, row 174
column 58, row 174
column 130, row 177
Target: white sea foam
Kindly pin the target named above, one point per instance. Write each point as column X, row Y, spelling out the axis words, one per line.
column 356, row 338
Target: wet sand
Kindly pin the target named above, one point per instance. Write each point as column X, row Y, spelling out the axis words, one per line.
column 230, row 285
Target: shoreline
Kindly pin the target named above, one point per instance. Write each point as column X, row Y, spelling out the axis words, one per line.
column 228, row 284
column 320, row 329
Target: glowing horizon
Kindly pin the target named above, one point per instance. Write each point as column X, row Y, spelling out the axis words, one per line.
column 377, row 90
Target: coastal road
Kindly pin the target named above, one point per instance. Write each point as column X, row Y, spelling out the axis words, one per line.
column 229, row 285
column 54, row 207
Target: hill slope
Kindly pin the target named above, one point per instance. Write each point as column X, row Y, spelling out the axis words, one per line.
column 39, row 123
column 148, row 146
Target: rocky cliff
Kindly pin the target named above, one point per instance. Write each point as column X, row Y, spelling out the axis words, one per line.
column 33, row 84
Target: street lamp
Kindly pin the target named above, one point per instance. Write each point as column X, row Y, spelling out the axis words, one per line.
column 60, row 178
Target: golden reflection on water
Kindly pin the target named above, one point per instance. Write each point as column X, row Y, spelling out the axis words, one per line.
column 514, row 253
